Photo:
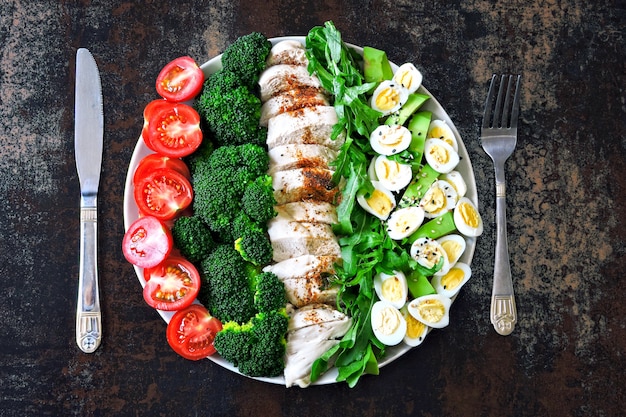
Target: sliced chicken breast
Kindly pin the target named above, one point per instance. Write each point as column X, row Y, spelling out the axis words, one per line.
column 309, row 125
column 291, row 100
column 293, row 239
column 282, row 77
column 304, row 184
column 294, row 156
column 306, row 343
column 306, row 279
column 288, row 52
column 308, row 211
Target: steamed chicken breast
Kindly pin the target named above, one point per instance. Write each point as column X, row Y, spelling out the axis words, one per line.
column 308, row 125
column 292, row 239
column 312, row 331
column 290, row 52
column 291, row 100
column 282, row 77
column 304, row 184
column 286, row 157
column 308, row 211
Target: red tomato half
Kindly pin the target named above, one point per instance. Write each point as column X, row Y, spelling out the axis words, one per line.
column 171, row 285
column 191, row 332
column 171, row 129
column 180, row 80
column 147, row 242
column 155, row 161
column 163, row 193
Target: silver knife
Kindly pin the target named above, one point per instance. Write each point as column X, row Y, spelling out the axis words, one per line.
column 88, row 135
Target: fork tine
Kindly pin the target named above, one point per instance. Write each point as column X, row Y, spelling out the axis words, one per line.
column 515, row 111
column 489, row 103
column 497, row 121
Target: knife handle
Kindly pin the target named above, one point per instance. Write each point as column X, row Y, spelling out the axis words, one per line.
column 88, row 315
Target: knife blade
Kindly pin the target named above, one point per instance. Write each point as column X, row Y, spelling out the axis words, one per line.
column 88, row 137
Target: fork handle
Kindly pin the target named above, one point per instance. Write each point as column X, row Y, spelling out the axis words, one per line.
column 503, row 310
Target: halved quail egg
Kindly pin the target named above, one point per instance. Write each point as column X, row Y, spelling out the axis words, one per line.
column 428, row 253
column 439, row 129
column 408, row 76
column 454, row 245
column 457, row 181
column 439, row 199
column 388, row 97
column 390, row 139
column 450, row 284
column 467, row 218
column 391, row 288
column 393, row 175
column 432, row 310
column 380, row 202
column 416, row 331
column 388, row 324
column 440, row 155
column 403, row 222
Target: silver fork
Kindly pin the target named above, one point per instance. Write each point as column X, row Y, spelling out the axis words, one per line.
column 499, row 137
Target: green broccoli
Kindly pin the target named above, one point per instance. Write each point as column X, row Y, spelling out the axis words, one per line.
column 258, row 199
column 269, row 292
column 193, row 238
column 243, row 223
column 247, row 57
column 231, row 113
column 255, row 247
column 226, row 288
column 219, row 182
column 256, row 348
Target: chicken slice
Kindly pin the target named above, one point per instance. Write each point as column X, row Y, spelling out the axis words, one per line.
column 290, row 100
column 312, row 331
column 306, row 279
column 293, row 239
column 308, row 211
column 288, row 52
column 308, row 125
column 294, row 156
column 304, row 184
column 282, row 77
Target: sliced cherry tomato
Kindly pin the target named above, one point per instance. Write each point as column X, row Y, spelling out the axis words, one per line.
column 171, row 285
column 171, row 129
column 191, row 332
column 180, row 80
column 163, row 193
column 147, row 242
column 155, row 161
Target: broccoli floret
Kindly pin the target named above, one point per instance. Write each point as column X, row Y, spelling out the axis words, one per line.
column 269, row 293
column 242, row 223
column 258, row 199
column 254, row 247
column 257, row 347
column 219, row 182
column 193, row 238
column 247, row 57
column 231, row 112
column 226, row 288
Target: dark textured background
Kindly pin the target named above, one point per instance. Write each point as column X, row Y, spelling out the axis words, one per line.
column 566, row 201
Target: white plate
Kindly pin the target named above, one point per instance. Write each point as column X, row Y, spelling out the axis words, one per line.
column 464, row 167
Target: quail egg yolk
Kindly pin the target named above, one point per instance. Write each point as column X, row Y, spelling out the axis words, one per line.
column 414, row 327
column 431, row 310
column 452, row 248
column 387, row 320
column 453, row 279
column 387, row 99
column 380, row 203
column 469, row 215
column 442, row 133
column 439, row 154
column 391, row 289
column 436, row 200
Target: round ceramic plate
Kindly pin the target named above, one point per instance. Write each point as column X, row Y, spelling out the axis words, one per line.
column 432, row 105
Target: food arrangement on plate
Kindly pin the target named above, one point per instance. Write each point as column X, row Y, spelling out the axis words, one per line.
column 299, row 210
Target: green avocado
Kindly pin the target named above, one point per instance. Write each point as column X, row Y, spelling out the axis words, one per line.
column 376, row 66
